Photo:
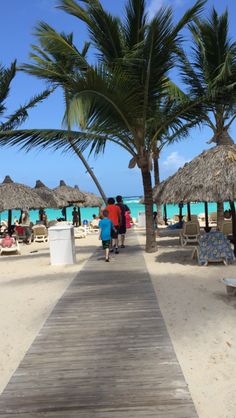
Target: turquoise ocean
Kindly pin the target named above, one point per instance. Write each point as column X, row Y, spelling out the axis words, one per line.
column 132, row 202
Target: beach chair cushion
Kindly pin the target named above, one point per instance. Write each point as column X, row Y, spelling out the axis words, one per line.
column 214, row 247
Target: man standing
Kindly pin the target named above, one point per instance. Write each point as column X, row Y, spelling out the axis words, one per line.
column 122, row 229
column 114, row 214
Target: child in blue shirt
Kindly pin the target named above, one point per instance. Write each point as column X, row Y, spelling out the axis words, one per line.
column 105, row 228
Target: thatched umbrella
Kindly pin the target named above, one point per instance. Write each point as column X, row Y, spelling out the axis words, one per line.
column 50, row 196
column 91, row 201
column 18, row 196
column 70, row 194
column 210, row 177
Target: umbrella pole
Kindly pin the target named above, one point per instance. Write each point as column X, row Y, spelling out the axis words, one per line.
column 189, row 211
column 165, row 214
column 79, row 215
column 232, row 207
column 180, row 211
column 207, row 229
column 9, row 220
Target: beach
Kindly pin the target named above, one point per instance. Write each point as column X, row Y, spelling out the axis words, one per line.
column 198, row 314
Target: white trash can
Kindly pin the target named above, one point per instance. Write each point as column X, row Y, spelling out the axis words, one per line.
column 62, row 244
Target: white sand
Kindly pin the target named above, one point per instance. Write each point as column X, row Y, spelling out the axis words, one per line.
column 29, row 289
column 200, row 318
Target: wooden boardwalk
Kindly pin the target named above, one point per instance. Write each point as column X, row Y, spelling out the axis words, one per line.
column 104, row 352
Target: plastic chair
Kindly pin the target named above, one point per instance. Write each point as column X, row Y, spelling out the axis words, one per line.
column 9, row 245
column 227, row 228
column 190, row 233
column 40, row 233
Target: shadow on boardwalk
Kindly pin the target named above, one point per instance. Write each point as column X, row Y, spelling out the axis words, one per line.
column 104, row 352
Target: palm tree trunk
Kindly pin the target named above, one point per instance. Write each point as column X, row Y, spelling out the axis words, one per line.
column 148, row 201
column 79, row 153
column 220, row 215
column 91, row 173
column 157, row 182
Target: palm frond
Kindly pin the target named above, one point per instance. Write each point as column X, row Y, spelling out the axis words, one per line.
column 6, row 77
column 135, row 23
column 104, row 29
column 17, row 118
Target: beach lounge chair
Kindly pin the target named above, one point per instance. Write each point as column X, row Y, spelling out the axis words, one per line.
column 20, row 234
column 194, row 218
column 80, row 232
column 190, row 233
column 91, row 229
column 227, row 228
column 52, row 223
column 213, row 218
column 9, row 245
column 40, row 233
column 201, row 217
column 213, row 247
column 230, row 284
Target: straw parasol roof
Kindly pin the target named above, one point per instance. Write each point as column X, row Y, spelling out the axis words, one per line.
column 50, row 196
column 18, row 196
column 69, row 194
column 210, row 177
column 91, row 200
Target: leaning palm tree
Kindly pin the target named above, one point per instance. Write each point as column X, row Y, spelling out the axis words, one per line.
column 212, row 69
column 51, row 60
column 123, row 92
column 7, row 74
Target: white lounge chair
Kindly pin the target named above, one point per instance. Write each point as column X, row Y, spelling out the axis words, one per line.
column 190, row 233
column 213, row 217
column 12, row 248
column 40, row 233
column 80, row 232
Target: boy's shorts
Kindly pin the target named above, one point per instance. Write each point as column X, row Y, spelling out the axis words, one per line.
column 106, row 244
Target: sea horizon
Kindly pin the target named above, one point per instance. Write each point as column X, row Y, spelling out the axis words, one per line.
column 131, row 201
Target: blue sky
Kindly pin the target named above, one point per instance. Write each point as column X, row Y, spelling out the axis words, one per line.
column 18, row 20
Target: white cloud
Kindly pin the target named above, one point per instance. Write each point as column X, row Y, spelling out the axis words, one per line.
column 173, row 162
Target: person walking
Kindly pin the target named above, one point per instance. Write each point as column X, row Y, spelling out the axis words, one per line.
column 122, row 228
column 155, row 224
column 105, row 231
column 114, row 214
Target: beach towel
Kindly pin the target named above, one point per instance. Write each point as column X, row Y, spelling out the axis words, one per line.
column 214, row 246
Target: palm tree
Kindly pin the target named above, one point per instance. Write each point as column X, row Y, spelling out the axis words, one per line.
column 124, row 91
column 213, row 70
column 11, row 122
column 130, row 79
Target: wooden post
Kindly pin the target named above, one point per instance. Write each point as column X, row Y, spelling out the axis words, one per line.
column 232, row 207
column 180, row 211
column 9, row 220
column 189, row 211
column 165, row 215
column 79, row 215
column 207, row 228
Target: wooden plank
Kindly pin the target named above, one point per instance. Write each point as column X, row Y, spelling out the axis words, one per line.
column 104, row 352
